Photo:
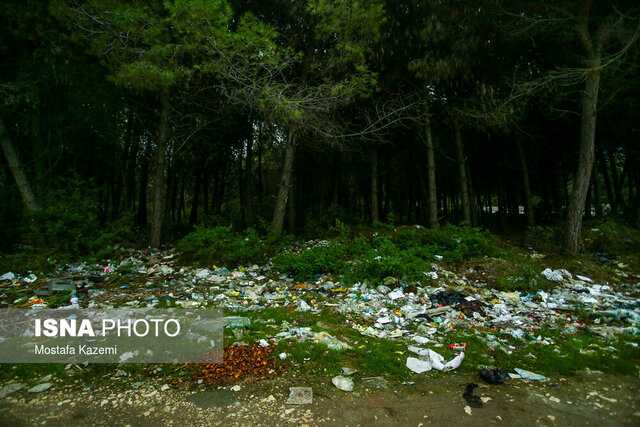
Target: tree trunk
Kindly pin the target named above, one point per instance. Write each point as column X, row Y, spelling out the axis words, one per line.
column 195, row 198
column 16, row 170
column 595, row 186
column 462, row 174
column 602, row 161
column 374, row 186
column 291, row 216
column 285, row 184
column 432, row 205
column 617, row 183
column 585, row 158
column 248, row 183
column 526, row 185
column 142, row 195
column 160, row 174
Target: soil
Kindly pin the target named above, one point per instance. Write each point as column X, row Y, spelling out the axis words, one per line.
column 589, row 399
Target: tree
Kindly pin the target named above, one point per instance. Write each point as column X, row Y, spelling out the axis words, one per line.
column 16, row 170
column 604, row 32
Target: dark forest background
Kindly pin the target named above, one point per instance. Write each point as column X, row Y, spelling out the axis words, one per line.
column 132, row 122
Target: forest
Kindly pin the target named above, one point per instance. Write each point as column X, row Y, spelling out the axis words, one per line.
column 380, row 212
column 136, row 121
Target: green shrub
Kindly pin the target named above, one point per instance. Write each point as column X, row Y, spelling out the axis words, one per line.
column 221, row 245
column 304, row 265
column 544, row 238
column 405, row 253
column 612, row 238
column 451, row 242
column 525, row 278
column 67, row 224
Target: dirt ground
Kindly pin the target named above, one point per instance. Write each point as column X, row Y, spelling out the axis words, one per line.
column 593, row 399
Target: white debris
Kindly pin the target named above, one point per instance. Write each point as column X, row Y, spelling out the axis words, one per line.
column 203, row 274
column 418, row 365
column 431, row 360
column 528, row 375
column 343, row 383
column 40, row 388
column 396, row 294
column 8, row 276
column 431, row 275
column 553, row 275
column 303, row 306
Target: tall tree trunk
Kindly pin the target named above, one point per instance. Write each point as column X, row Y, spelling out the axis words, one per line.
column 160, row 176
column 602, row 162
column 526, row 185
column 585, row 157
column 432, row 205
column 206, row 185
column 16, row 170
column 285, row 184
column 142, row 195
column 374, row 186
column 462, row 175
column 249, row 182
column 291, row 203
column 195, row 198
column 617, row 179
column 595, row 185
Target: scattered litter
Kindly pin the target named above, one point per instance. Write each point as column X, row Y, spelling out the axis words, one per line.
column 494, row 375
column 237, row 322
column 236, row 388
column 330, row 341
column 10, row 389
column 348, row 371
column 556, row 275
column 30, row 278
column 300, row 396
column 433, row 360
column 417, row 365
column 527, row 375
column 303, row 306
column 8, row 276
column 458, row 346
column 343, row 383
column 467, row 410
column 375, row 382
column 40, row 388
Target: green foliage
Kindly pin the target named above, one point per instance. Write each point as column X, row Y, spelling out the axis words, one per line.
column 221, row 245
column 406, row 253
column 525, row 277
column 613, row 238
column 68, row 224
column 305, row 264
column 543, row 238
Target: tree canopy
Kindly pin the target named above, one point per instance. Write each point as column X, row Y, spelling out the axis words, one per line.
column 154, row 116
